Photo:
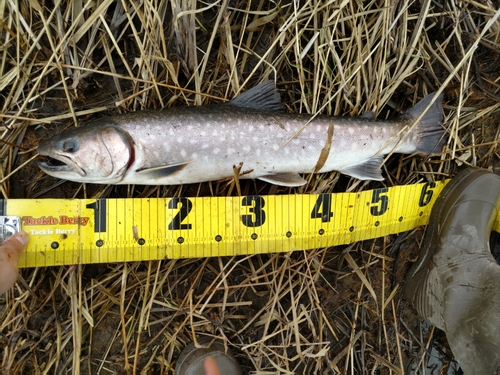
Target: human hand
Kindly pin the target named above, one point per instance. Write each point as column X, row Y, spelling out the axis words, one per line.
column 9, row 256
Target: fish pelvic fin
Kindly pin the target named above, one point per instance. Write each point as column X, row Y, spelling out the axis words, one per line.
column 162, row 171
column 367, row 170
column 431, row 135
column 263, row 96
column 284, row 179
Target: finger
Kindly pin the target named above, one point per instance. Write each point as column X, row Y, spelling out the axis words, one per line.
column 19, row 241
column 9, row 257
column 211, row 366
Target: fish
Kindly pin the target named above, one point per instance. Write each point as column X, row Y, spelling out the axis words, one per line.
column 192, row 144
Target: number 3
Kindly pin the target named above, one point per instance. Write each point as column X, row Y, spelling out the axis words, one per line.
column 259, row 215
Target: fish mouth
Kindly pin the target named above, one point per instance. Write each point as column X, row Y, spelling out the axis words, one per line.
column 60, row 164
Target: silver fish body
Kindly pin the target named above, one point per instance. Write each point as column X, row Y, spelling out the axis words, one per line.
column 196, row 144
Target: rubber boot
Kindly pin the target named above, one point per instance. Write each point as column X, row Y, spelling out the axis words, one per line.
column 455, row 284
column 192, row 359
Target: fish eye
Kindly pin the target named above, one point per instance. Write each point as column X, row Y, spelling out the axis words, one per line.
column 70, row 146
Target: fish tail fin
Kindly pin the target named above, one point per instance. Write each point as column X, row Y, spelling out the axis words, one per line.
column 430, row 132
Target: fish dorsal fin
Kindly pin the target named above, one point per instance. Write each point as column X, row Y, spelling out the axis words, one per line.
column 162, row 171
column 263, row 96
column 368, row 170
column 284, row 179
column 368, row 115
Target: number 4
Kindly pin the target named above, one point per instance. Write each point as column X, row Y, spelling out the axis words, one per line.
column 323, row 208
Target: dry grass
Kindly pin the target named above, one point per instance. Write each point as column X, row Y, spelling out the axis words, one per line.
column 327, row 311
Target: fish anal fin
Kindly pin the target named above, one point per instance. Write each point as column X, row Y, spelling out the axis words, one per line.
column 284, row 179
column 263, row 96
column 161, row 171
column 367, row 170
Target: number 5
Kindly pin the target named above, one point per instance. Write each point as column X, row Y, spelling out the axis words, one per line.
column 382, row 200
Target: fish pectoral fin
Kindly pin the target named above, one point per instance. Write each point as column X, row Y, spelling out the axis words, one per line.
column 162, row 171
column 284, row 179
column 367, row 170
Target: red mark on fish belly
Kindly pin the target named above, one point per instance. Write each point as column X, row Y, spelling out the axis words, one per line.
column 132, row 155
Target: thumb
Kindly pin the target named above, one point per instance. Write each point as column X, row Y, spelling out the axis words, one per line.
column 9, row 256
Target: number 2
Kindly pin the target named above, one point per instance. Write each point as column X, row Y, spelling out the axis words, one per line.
column 186, row 207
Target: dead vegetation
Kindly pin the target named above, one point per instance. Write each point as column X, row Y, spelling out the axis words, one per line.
column 305, row 312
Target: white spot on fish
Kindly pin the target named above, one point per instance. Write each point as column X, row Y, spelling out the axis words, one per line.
column 276, row 147
column 319, row 128
column 351, row 131
column 261, row 127
column 384, row 130
column 251, row 128
column 194, row 156
column 203, row 133
column 246, row 148
column 204, row 146
column 216, row 151
column 258, row 152
column 193, row 141
column 231, row 151
column 183, row 153
column 180, row 139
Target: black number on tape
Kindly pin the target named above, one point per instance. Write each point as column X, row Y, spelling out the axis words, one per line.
column 381, row 200
column 258, row 217
column 323, row 208
column 99, row 207
column 426, row 194
column 185, row 209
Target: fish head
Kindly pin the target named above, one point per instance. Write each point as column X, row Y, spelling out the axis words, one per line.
column 98, row 154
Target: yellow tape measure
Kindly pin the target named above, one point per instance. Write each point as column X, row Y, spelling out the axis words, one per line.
column 71, row 231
